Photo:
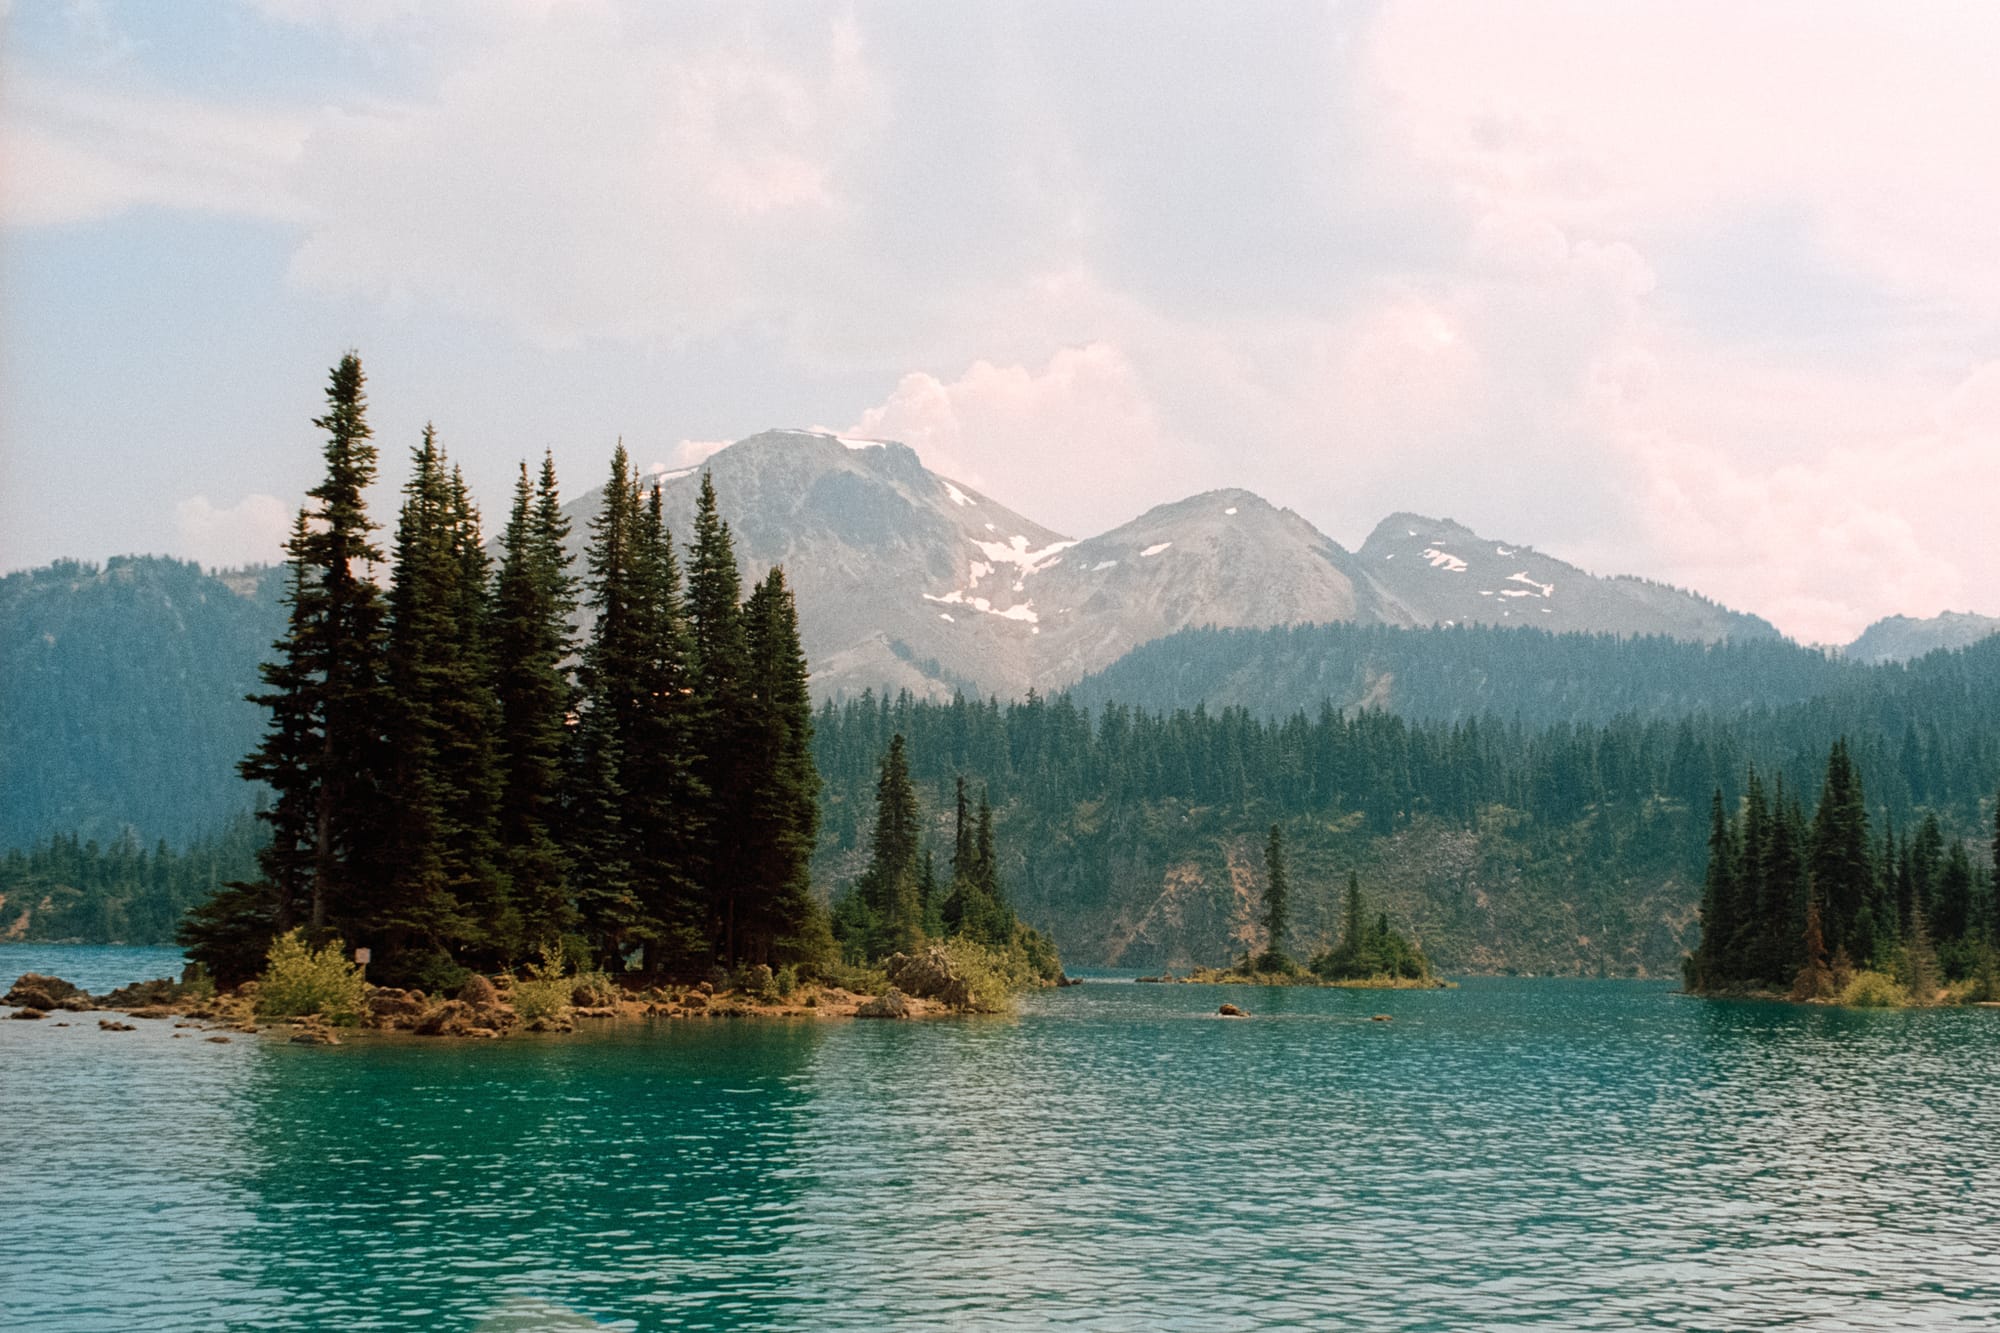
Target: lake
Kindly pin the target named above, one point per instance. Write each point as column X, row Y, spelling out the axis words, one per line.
column 1511, row 1154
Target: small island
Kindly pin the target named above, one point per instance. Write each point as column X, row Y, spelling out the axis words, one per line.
column 1817, row 910
column 481, row 821
column 1369, row 955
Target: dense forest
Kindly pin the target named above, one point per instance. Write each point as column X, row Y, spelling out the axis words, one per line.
column 123, row 704
column 1562, row 847
column 1466, row 671
column 1807, row 905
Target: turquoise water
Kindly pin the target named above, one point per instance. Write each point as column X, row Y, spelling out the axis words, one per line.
column 1586, row 1155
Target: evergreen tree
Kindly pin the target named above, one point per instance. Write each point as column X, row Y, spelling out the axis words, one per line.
column 722, row 689
column 1277, row 904
column 531, row 643
column 341, row 650
column 888, row 888
column 602, row 876
column 230, row 932
column 1709, row 969
column 1842, row 872
column 782, row 811
column 666, row 804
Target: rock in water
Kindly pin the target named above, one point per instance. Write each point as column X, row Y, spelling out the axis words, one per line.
column 143, row 995
column 32, row 990
column 1231, row 1011
column 891, row 1003
column 1379, row 1018
column 107, row 1025
column 29, row 1013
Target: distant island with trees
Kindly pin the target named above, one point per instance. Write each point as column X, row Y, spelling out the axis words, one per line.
column 1368, row 955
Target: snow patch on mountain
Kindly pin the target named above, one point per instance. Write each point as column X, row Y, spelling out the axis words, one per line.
column 1155, row 549
column 1016, row 553
column 958, row 497
column 1443, row 559
column 1545, row 589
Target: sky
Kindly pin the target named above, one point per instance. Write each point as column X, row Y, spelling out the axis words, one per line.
column 1701, row 292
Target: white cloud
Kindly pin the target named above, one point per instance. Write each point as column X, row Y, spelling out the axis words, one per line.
column 251, row 531
column 76, row 153
column 1060, row 443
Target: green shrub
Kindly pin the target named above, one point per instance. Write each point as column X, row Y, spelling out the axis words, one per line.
column 1873, row 990
column 298, row 980
column 786, row 980
column 536, row 997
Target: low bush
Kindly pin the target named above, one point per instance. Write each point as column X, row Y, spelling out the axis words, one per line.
column 1873, row 990
column 299, row 980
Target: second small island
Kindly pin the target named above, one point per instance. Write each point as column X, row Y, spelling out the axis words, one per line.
column 1368, row 956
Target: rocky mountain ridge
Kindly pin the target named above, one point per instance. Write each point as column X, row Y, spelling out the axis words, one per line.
column 910, row 580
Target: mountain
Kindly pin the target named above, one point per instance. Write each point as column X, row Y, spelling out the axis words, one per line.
column 909, row 580
column 1901, row 638
column 122, row 696
column 1441, row 573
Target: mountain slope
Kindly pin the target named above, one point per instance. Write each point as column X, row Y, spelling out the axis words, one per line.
column 1441, row 573
column 1901, row 638
column 122, row 696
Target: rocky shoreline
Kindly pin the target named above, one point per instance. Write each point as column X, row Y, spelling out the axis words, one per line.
column 921, row 985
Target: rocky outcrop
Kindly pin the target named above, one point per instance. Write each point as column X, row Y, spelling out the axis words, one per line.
column 478, row 992
column 891, row 1003
column 456, row 1018
column 32, row 990
column 929, row 975
column 143, row 995
column 392, row 1008
column 1231, row 1011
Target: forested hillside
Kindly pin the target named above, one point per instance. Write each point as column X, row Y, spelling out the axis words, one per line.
column 1507, row 846
column 1529, row 675
column 122, row 697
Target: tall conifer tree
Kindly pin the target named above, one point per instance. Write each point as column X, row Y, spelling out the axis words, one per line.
column 783, row 792
column 721, row 690
column 531, row 643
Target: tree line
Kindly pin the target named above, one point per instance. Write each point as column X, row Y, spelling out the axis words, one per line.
column 1799, row 903
column 455, row 781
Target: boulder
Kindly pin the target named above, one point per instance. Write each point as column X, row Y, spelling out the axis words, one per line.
column 142, row 995
column 456, row 1018
column 1379, row 1018
column 29, row 1013
column 891, row 1003
column 32, row 990
column 108, row 1025
column 218, row 1040
column 1231, row 1011
column 929, row 975
column 392, row 1008
column 153, row 1011
column 315, row 1034
column 594, row 994
column 478, row 992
